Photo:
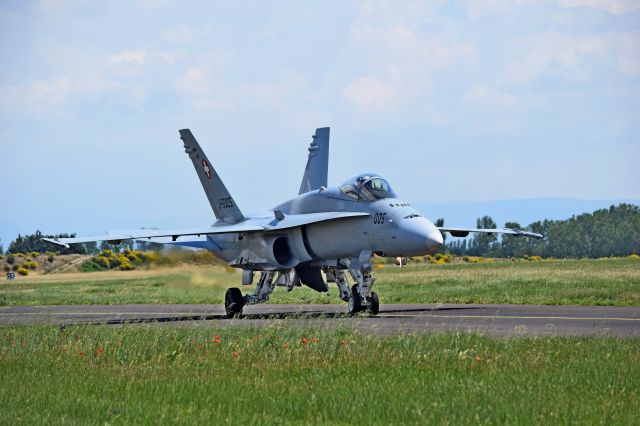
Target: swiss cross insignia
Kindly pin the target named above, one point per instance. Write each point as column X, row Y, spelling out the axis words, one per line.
column 206, row 168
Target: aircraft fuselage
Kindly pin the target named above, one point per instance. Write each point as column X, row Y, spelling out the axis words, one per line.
column 393, row 228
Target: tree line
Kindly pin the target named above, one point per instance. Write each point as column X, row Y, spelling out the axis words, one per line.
column 607, row 232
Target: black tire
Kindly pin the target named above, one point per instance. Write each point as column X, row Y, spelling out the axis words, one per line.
column 354, row 304
column 374, row 304
column 233, row 302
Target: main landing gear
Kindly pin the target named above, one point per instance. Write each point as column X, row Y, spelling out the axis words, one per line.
column 234, row 301
column 359, row 297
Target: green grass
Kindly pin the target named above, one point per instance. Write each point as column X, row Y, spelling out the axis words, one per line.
column 575, row 282
column 125, row 375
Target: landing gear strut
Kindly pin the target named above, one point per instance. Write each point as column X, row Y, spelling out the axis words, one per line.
column 361, row 297
column 234, row 301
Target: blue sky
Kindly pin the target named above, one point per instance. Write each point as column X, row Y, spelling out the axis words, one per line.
column 450, row 100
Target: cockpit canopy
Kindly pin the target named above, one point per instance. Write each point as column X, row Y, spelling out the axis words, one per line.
column 367, row 187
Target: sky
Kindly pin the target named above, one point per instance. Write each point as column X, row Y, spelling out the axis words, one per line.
column 449, row 100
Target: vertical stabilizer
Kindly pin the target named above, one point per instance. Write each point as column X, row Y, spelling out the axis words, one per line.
column 223, row 205
column 315, row 174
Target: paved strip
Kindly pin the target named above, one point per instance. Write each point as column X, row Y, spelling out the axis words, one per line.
column 493, row 320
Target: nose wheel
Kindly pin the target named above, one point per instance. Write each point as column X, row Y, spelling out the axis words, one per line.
column 374, row 303
column 355, row 304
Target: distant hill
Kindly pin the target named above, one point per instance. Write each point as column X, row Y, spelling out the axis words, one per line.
column 463, row 214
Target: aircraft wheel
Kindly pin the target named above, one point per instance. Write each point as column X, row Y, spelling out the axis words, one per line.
column 354, row 300
column 233, row 302
column 374, row 304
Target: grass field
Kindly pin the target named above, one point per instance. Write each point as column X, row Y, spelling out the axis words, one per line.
column 125, row 375
column 579, row 282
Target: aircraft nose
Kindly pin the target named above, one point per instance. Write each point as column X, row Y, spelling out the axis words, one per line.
column 434, row 239
column 420, row 235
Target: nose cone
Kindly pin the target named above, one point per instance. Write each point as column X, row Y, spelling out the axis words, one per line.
column 434, row 239
column 419, row 236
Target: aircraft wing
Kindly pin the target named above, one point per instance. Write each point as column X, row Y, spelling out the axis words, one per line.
column 151, row 233
column 274, row 223
column 463, row 232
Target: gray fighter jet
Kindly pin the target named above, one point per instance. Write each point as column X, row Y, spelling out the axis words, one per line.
column 313, row 239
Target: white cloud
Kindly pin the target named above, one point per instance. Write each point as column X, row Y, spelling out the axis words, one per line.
column 628, row 46
column 370, row 93
column 575, row 57
column 482, row 96
column 396, row 58
column 140, row 57
column 618, row 7
column 567, row 54
column 487, row 8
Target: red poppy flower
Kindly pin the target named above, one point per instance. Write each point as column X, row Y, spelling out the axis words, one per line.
column 235, row 355
column 304, row 341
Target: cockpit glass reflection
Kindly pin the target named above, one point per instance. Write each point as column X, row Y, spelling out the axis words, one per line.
column 367, row 188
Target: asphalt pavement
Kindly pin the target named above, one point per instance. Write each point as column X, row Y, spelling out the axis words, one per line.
column 492, row 320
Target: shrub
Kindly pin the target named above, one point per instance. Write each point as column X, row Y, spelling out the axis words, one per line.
column 115, row 261
column 23, row 271
column 447, row 258
column 634, row 256
column 34, row 254
column 133, row 257
column 16, row 267
column 534, row 259
column 101, row 261
column 106, row 253
column 465, row 258
column 19, row 254
column 378, row 261
column 438, row 256
column 30, row 265
column 50, row 259
column 149, row 256
column 91, row 266
column 125, row 264
column 7, row 268
column 428, row 258
column 11, row 259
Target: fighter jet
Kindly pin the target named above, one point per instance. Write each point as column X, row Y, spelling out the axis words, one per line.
column 323, row 235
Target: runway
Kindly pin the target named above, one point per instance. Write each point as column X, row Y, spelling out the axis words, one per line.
column 492, row 320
